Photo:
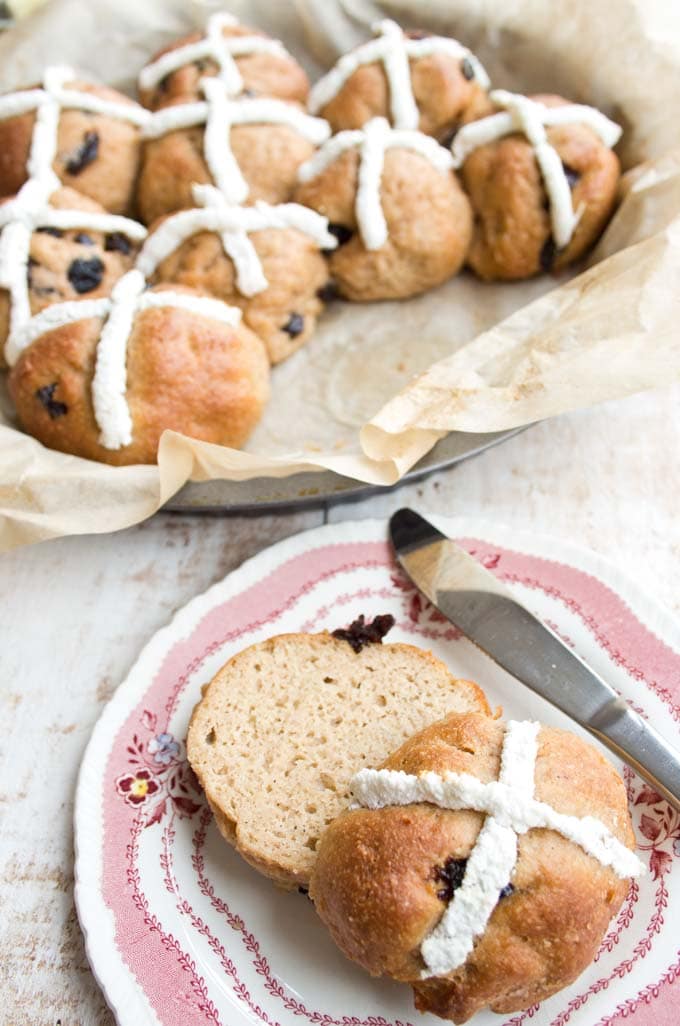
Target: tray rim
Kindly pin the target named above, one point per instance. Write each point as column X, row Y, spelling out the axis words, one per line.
column 314, row 489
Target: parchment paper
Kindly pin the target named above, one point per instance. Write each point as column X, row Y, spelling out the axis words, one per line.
column 380, row 383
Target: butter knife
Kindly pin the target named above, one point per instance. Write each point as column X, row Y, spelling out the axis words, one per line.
column 491, row 617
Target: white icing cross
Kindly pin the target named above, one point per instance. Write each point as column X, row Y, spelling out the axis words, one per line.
column 217, row 47
column 511, row 810
column 233, row 224
column 109, row 384
column 372, row 141
column 19, row 218
column 531, row 118
column 394, row 49
column 48, row 103
column 219, row 113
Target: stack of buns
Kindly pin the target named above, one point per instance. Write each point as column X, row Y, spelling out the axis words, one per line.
column 258, row 200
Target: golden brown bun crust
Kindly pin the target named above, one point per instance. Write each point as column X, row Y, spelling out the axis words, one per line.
column 263, row 74
column 109, row 179
column 284, row 314
column 268, row 156
column 375, row 883
column 442, row 93
column 52, row 257
column 429, row 223
column 184, row 372
column 512, row 237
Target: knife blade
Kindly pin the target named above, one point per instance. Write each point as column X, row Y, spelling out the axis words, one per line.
column 491, row 617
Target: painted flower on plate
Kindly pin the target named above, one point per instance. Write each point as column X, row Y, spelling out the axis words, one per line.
column 164, row 748
column 137, row 787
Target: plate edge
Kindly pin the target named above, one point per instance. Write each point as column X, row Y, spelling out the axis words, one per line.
column 92, row 912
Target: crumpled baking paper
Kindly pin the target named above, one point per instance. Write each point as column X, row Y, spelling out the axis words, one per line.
column 380, row 383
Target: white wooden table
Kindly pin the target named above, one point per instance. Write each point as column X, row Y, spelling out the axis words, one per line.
column 76, row 612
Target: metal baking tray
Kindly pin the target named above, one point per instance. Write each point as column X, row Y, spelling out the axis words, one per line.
column 308, row 490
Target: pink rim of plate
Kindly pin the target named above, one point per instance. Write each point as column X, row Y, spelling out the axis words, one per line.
column 626, row 624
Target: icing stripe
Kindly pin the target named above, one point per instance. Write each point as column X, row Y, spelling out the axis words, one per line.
column 109, row 383
column 172, row 119
column 15, row 241
column 511, row 810
column 218, row 49
column 479, row 133
column 222, row 49
column 487, row 872
column 221, row 162
column 20, row 103
column 394, row 50
column 532, row 118
column 247, row 111
column 54, row 85
column 417, row 48
column 369, row 213
column 51, row 318
column 372, row 141
column 54, row 90
column 375, row 789
column 608, row 131
column 202, row 306
column 44, row 141
column 68, row 220
column 330, row 152
column 491, row 862
column 250, row 277
column 403, row 105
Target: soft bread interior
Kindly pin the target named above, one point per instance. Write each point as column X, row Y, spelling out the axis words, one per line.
column 284, row 726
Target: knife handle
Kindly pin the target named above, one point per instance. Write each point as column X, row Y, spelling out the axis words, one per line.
column 623, row 731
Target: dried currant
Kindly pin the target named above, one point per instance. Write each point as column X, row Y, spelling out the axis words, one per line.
column 295, row 325
column 547, row 255
column 116, row 242
column 571, row 175
column 328, row 292
column 342, row 233
column 86, row 275
column 84, row 155
column 360, row 633
column 451, row 876
column 45, row 396
column 467, row 68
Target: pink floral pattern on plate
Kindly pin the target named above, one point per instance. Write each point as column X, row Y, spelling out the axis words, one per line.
column 190, row 926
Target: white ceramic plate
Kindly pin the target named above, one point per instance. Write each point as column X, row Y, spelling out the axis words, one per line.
column 181, row 932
